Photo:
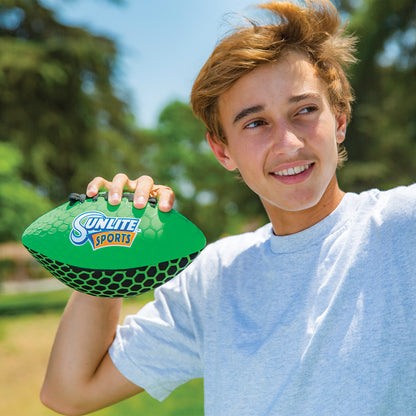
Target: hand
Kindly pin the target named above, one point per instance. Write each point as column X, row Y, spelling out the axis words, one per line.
column 143, row 188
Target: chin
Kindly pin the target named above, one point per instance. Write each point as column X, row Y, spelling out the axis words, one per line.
column 295, row 204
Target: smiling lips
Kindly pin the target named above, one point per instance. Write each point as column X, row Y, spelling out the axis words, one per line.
column 293, row 174
column 293, row 171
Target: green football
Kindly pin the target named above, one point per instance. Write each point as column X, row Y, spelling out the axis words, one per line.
column 112, row 251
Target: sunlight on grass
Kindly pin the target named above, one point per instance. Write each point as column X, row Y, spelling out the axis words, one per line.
column 25, row 342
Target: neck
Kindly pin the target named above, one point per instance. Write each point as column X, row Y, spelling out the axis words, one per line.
column 291, row 222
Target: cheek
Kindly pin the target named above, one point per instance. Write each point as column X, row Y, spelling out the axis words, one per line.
column 324, row 141
column 244, row 155
column 330, row 161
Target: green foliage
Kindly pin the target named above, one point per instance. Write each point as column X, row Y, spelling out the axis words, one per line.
column 58, row 102
column 20, row 204
column 382, row 135
column 61, row 111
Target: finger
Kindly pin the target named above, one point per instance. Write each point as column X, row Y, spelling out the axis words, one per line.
column 144, row 186
column 115, row 190
column 165, row 196
column 97, row 184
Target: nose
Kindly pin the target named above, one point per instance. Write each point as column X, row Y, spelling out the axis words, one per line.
column 285, row 140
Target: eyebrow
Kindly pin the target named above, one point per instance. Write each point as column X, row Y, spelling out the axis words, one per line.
column 247, row 111
column 257, row 108
column 305, row 96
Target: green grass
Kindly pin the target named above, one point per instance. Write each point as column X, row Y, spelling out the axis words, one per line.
column 30, row 303
column 28, row 323
column 186, row 400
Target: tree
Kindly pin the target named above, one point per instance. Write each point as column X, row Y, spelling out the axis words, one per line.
column 60, row 110
column 382, row 135
column 20, row 204
column 58, row 103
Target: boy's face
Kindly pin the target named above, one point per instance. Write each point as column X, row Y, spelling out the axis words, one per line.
column 282, row 135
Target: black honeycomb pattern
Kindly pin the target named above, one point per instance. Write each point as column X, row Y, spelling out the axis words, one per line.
column 114, row 283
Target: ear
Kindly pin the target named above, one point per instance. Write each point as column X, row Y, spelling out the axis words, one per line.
column 341, row 121
column 221, row 152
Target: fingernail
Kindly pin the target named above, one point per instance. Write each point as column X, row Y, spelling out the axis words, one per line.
column 91, row 191
column 140, row 200
column 114, row 198
column 164, row 206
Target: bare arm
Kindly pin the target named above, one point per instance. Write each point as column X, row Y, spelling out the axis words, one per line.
column 81, row 377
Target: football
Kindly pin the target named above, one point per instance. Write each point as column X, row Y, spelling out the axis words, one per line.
column 112, row 251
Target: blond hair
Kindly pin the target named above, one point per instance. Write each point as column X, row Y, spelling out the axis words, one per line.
column 314, row 29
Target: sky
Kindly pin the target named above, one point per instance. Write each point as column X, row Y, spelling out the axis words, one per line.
column 162, row 43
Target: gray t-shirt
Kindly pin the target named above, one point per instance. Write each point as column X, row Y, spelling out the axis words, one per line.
column 322, row 322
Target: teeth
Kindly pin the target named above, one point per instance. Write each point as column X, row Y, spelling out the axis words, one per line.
column 292, row 171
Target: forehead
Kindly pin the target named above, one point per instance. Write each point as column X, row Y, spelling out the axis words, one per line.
column 293, row 75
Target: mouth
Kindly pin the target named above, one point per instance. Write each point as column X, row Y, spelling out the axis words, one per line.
column 296, row 170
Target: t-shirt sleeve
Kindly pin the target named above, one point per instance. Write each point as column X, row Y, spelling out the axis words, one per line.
column 157, row 348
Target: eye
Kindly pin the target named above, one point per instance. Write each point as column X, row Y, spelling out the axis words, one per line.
column 308, row 109
column 255, row 123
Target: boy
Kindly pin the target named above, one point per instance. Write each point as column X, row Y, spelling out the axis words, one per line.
column 312, row 314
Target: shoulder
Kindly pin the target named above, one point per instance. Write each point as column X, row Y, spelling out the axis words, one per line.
column 394, row 204
column 228, row 248
column 225, row 254
column 402, row 192
column 387, row 215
